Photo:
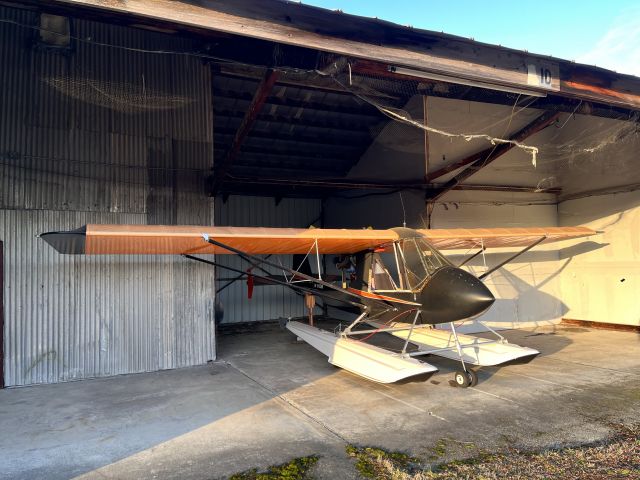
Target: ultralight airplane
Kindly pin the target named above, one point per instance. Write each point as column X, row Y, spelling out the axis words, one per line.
column 397, row 280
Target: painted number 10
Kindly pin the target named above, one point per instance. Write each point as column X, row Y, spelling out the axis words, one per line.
column 545, row 76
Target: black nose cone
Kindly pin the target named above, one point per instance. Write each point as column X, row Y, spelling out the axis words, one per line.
column 453, row 294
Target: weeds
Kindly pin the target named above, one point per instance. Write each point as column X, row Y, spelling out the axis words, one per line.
column 617, row 457
column 296, row 469
column 377, row 463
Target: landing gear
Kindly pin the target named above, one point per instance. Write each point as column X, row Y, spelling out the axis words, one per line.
column 465, row 379
column 462, row 379
column 473, row 378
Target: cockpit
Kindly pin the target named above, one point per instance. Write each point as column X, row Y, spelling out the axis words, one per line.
column 406, row 265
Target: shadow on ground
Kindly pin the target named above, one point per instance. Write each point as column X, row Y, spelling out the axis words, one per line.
column 271, row 398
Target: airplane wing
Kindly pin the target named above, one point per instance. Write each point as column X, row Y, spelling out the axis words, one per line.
column 459, row 238
column 165, row 240
column 180, row 239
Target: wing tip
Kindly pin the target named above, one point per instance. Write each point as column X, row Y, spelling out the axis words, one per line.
column 71, row 242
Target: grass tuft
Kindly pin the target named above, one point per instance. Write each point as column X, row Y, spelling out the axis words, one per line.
column 296, row 469
column 372, row 462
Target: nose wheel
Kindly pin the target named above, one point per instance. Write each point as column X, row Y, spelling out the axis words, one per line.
column 466, row 378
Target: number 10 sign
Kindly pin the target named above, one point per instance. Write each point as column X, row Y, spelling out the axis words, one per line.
column 544, row 75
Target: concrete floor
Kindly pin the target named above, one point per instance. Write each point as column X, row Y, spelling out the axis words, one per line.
column 269, row 399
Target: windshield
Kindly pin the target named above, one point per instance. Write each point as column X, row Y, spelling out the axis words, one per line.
column 421, row 260
column 432, row 257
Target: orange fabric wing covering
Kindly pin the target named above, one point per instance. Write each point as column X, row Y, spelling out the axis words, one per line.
column 458, row 238
column 172, row 239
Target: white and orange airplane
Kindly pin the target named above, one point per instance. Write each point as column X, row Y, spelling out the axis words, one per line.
column 397, row 281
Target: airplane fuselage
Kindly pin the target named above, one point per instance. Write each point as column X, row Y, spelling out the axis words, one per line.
column 442, row 292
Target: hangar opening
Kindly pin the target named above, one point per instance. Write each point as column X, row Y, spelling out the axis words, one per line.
column 327, row 121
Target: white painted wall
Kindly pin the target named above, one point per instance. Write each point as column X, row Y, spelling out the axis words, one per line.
column 527, row 290
column 580, row 154
column 603, row 285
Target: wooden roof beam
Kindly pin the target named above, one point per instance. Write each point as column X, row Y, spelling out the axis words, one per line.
column 301, row 80
column 308, row 27
column 346, row 140
column 363, row 110
column 304, row 154
column 334, row 124
column 348, row 184
column 262, row 93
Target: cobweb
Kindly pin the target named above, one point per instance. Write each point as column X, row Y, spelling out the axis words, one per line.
column 120, row 96
column 383, row 95
column 578, row 151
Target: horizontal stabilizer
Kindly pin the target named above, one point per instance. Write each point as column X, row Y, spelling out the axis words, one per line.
column 366, row 360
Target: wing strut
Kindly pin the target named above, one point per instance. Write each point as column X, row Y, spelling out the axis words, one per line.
column 252, row 258
column 502, row 264
column 468, row 259
column 233, row 280
column 273, row 280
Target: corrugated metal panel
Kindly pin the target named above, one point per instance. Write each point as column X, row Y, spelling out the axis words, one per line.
column 69, row 317
column 82, row 140
column 85, row 131
column 268, row 302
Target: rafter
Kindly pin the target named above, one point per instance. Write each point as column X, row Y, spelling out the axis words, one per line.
column 362, row 110
column 259, row 99
column 479, row 161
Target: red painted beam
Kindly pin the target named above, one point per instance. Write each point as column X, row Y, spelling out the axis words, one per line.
column 538, row 124
column 490, row 154
column 262, row 93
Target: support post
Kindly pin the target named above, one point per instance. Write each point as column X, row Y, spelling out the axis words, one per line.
column 1, row 314
column 429, row 205
column 310, row 302
column 426, row 139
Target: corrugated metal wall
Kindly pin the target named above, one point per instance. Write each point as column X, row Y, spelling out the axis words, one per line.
column 104, row 134
column 70, row 317
column 268, row 302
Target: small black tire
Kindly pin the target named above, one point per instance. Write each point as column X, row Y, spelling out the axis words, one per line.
column 473, row 378
column 462, row 379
